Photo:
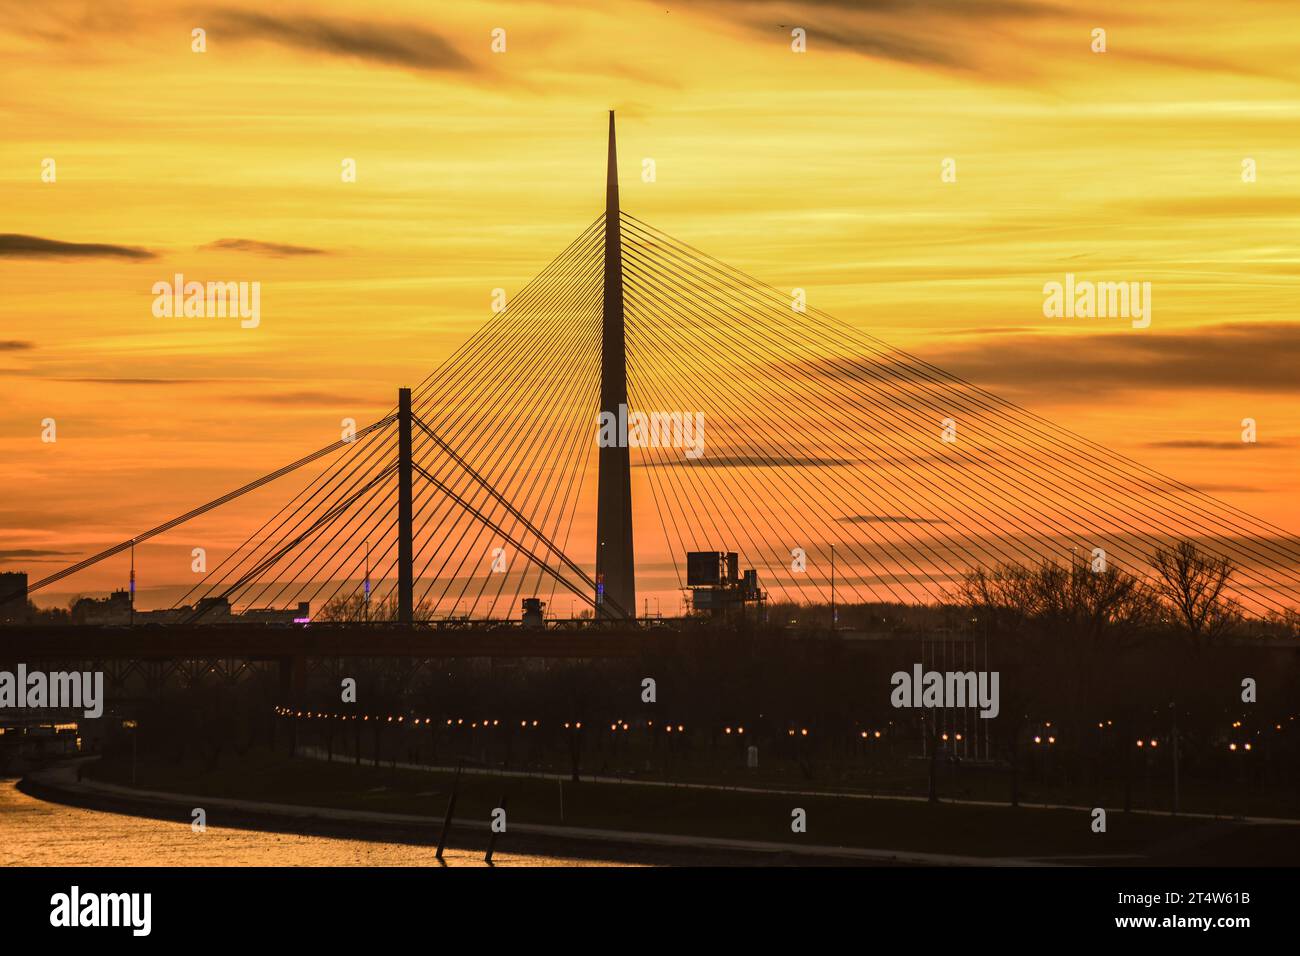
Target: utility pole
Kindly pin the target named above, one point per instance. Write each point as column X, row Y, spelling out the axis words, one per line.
column 405, row 556
column 1174, row 707
column 832, row 587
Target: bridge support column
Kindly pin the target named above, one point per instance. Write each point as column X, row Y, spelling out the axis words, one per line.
column 293, row 679
column 405, row 555
column 615, row 584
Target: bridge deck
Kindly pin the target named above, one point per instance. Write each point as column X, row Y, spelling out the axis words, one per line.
column 272, row 642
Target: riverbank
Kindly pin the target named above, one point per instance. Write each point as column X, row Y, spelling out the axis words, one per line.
column 37, row 833
column 534, row 845
column 636, row 822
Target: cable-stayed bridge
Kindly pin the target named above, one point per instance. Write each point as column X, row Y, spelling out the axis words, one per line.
column 833, row 463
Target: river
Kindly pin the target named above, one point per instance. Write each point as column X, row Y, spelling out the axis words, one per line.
column 36, row 833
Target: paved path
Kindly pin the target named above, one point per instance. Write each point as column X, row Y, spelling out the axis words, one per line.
column 319, row 753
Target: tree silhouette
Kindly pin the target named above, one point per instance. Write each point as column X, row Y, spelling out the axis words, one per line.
column 1192, row 582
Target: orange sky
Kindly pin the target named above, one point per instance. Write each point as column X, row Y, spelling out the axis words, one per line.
column 818, row 170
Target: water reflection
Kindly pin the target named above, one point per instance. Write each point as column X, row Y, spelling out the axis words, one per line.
column 36, row 833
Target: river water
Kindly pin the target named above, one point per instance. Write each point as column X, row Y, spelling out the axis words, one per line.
column 36, row 833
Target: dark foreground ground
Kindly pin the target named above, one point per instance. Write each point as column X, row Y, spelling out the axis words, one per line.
column 1057, row 836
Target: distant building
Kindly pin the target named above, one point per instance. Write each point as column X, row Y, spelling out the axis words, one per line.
column 210, row 610
column 534, row 612
column 207, row 611
column 271, row 615
column 13, row 597
column 717, row 586
column 114, row 609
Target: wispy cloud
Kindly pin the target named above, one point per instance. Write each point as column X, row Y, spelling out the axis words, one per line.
column 1199, row 444
column 17, row 246
column 750, row 461
column 16, row 345
column 934, row 33
column 1286, row 206
column 306, row 397
column 274, row 250
column 138, row 381
column 397, row 44
column 21, row 554
column 888, row 519
column 1250, row 357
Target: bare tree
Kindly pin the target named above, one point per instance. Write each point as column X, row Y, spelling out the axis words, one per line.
column 354, row 608
column 1006, row 596
column 1192, row 582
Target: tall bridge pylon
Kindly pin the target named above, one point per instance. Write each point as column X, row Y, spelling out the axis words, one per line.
column 615, row 574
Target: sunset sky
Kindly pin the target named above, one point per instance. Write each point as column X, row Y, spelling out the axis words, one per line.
column 818, row 170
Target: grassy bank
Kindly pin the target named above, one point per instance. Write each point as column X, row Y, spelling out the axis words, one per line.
column 832, row 820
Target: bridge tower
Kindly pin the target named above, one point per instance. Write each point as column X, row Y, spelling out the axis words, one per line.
column 405, row 552
column 615, row 581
